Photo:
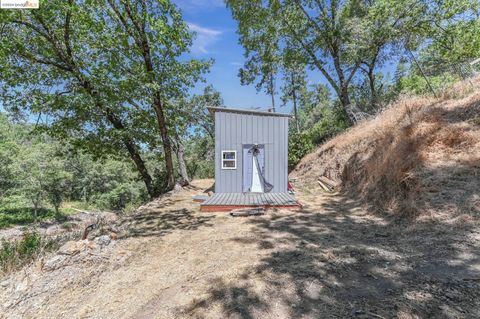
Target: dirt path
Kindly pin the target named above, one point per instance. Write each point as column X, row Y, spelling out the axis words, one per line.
column 331, row 260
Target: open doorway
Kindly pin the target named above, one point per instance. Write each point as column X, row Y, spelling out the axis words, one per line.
column 253, row 168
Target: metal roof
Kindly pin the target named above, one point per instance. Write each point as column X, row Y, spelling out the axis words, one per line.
column 212, row 111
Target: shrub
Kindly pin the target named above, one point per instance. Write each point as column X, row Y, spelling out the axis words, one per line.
column 416, row 84
column 299, row 145
column 18, row 253
column 201, row 168
column 331, row 123
column 119, row 197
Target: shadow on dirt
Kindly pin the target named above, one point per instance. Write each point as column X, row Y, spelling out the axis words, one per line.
column 342, row 263
column 163, row 223
column 333, row 260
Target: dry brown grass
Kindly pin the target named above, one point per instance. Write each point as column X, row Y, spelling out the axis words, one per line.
column 419, row 158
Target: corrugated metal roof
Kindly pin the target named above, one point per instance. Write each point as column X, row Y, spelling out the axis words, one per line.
column 212, row 111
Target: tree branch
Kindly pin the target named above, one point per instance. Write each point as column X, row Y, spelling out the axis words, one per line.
column 66, row 35
column 314, row 58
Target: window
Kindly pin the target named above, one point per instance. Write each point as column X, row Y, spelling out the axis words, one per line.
column 229, row 159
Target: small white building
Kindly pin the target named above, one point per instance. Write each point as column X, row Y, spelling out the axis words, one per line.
column 251, row 160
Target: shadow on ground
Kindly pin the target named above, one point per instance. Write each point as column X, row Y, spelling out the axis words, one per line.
column 335, row 261
column 160, row 221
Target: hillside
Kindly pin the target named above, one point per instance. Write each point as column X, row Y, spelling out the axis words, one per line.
column 331, row 258
column 419, row 158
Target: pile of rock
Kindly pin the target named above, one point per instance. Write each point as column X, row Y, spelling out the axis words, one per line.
column 77, row 251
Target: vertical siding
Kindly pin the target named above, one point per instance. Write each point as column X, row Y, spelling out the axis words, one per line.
column 218, row 129
column 233, row 130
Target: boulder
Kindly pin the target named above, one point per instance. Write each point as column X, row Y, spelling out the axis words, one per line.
column 72, row 247
column 103, row 240
column 55, row 262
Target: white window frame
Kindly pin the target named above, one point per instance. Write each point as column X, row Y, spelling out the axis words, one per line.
column 229, row 160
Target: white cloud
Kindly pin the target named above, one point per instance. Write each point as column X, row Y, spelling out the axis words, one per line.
column 204, row 37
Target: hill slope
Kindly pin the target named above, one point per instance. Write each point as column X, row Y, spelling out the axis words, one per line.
column 420, row 157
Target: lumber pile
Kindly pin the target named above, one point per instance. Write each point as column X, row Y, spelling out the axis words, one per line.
column 327, row 184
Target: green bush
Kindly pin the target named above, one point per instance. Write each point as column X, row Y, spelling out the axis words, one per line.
column 119, row 197
column 201, row 168
column 330, row 124
column 416, row 84
column 299, row 145
column 14, row 255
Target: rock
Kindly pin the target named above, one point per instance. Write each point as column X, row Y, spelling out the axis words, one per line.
column 113, row 229
column 91, row 245
column 55, row 262
column 39, row 264
column 113, row 235
column 72, row 248
column 103, row 240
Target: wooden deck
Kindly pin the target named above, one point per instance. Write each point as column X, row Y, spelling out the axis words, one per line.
column 224, row 202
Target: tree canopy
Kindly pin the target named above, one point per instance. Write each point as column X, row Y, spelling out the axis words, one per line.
column 102, row 72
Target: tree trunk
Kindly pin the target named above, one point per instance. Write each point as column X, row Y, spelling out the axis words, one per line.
column 373, row 90
column 141, row 167
column 130, row 145
column 138, row 33
column 294, row 97
column 345, row 101
column 272, row 92
column 182, row 166
column 167, row 147
column 159, row 111
column 67, row 58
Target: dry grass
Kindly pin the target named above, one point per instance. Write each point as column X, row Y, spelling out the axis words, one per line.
column 332, row 259
column 419, row 158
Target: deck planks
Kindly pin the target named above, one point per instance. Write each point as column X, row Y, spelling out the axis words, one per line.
column 249, row 199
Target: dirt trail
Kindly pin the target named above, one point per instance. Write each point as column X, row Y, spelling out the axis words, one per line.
column 330, row 260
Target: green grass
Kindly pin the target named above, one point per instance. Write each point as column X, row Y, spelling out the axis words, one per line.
column 15, row 211
column 68, row 207
column 12, row 216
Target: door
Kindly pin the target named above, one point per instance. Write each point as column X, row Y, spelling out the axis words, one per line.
column 251, row 179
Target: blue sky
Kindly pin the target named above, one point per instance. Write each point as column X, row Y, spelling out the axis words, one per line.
column 217, row 39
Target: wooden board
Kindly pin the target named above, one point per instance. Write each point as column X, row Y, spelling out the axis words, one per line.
column 229, row 201
column 227, row 208
column 328, row 181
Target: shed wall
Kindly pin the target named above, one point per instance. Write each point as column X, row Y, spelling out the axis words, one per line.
column 232, row 130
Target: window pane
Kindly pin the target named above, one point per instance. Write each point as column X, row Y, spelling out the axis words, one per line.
column 227, row 163
column 229, row 155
